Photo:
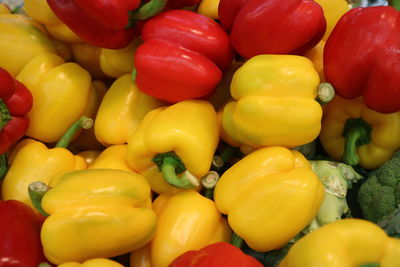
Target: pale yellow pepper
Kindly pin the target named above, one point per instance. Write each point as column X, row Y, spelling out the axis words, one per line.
column 96, row 213
column 344, row 243
column 270, row 196
column 121, row 110
column 275, row 102
column 60, row 93
column 113, row 157
column 185, row 133
column 92, row 263
column 209, row 8
column 21, row 38
column 186, row 221
column 40, row 11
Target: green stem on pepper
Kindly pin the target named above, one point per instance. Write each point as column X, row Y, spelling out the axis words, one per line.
column 236, row 240
column 369, row 265
column 36, row 192
column 325, row 93
column 83, row 122
column 394, row 3
column 147, row 10
column 5, row 116
column 226, row 154
column 356, row 132
column 209, row 181
column 3, row 166
column 170, row 165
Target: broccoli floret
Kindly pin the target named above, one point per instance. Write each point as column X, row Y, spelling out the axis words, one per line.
column 379, row 195
column 337, row 178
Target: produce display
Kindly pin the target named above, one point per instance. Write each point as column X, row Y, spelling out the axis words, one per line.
column 199, row 133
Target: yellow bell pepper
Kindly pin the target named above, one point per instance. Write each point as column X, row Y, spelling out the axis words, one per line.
column 179, row 138
column 141, row 257
column 89, row 155
column 87, row 139
column 117, row 62
column 209, row 8
column 60, row 95
column 102, row 62
column 186, row 221
column 344, row 243
column 121, row 110
column 316, row 55
column 333, row 10
column 33, row 161
column 113, row 157
column 93, row 263
column 96, row 213
column 275, row 102
column 276, row 191
column 4, row 9
column 40, row 11
column 21, row 39
column 355, row 134
column 88, row 57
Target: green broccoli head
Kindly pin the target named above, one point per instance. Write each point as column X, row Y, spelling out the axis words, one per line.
column 379, row 195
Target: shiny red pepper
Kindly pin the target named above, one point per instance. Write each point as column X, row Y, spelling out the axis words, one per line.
column 361, row 57
column 182, row 56
column 15, row 103
column 20, row 244
column 219, row 254
column 176, row 4
column 272, row 26
column 106, row 23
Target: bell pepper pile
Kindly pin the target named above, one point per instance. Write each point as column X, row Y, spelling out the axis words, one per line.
column 194, row 133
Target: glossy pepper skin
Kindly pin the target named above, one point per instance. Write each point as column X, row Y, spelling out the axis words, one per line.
column 361, row 58
column 54, row 85
column 113, row 157
column 121, row 110
column 371, row 136
column 221, row 254
column 21, row 38
column 15, row 103
column 276, row 191
column 333, row 10
column 98, row 262
column 177, row 4
column 35, row 162
column 188, row 128
column 20, row 235
column 96, row 213
column 100, row 23
column 272, row 26
column 40, row 11
column 182, row 56
column 345, row 243
column 187, row 221
column 275, row 102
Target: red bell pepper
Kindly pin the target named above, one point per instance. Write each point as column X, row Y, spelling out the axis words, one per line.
column 176, row 4
column 20, row 244
column 106, row 23
column 182, row 56
column 272, row 26
column 361, row 57
column 219, row 254
column 15, row 102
